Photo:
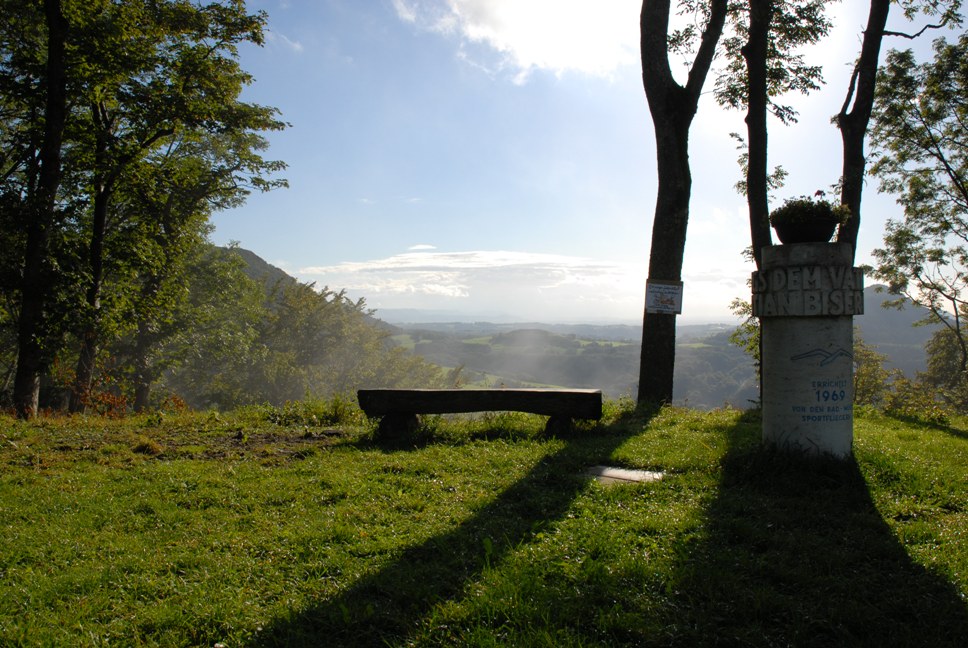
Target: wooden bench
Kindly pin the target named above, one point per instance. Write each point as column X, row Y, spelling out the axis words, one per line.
column 399, row 407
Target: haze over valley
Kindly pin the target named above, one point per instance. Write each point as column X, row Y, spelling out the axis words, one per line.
column 710, row 370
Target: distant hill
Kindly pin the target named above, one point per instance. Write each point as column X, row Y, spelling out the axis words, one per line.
column 261, row 270
column 271, row 277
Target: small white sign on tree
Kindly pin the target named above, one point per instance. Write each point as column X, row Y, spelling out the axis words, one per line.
column 663, row 297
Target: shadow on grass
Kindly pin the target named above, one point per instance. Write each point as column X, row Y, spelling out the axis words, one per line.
column 382, row 608
column 791, row 552
column 941, row 427
column 797, row 554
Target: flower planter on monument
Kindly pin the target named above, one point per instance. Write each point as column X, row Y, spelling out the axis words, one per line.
column 806, row 295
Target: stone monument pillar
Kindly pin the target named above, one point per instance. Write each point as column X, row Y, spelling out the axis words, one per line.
column 806, row 295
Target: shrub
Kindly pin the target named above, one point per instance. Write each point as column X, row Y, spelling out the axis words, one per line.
column 915, row 401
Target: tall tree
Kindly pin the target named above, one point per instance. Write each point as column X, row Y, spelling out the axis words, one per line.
column 756, row 53
column 673, row 107
column 179, row 73
column 764, row 63
column 920, row 143
column 87, row 91
column 168, row 205
column 946, row 374
column 853, row 120
column 39, row 202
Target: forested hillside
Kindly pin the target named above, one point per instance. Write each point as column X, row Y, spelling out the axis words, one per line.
column 245, row 332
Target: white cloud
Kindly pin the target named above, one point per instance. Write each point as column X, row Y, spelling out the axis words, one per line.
column 421, row 247
column 406, row 12
column 524, row 286
column 527, row 285
column 520, row 285
column 593, row 37
column 275, row 37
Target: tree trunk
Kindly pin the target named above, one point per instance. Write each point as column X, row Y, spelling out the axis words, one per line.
column 853, row 122
column 35, row 286
column 672, row 107
column 90, row 335
column 657, row 360
column 145, row 340
column 142, row 366
column 103, row 185
column 90, row 346
column 84, row 373
column 755, row 52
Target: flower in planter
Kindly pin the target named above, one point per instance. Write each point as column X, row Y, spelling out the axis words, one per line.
column 805, row 220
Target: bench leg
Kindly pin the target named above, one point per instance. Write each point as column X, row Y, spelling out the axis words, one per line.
column 394, row 426
column 558, row 425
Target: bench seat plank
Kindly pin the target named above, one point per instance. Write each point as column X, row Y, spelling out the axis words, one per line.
column 574, row 403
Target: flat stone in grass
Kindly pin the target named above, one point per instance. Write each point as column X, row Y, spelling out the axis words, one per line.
column 609, row 475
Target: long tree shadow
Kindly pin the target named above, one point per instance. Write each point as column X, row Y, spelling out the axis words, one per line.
column 790, row 552
column 941, row 427
column 797, row 554
column 383, row 608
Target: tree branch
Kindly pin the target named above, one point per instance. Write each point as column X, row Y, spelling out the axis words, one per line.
column 918, row 33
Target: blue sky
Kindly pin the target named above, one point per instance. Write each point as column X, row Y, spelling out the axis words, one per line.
column 494, row 159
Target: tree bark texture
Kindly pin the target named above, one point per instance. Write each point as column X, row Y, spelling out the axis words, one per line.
column 35, row 286
column 672, row 107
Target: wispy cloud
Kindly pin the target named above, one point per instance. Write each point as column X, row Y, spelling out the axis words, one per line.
column 526, row 285
column 420, row 247
column 406, row 11
column 278, row 38
column 587, row 36
column 529, row 284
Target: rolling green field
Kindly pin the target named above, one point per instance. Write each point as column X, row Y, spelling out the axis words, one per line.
column 294, row 526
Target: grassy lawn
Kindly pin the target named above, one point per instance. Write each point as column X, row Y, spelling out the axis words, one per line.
column 268, row 528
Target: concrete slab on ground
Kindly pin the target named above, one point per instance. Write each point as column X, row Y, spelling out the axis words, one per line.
column 610, row 475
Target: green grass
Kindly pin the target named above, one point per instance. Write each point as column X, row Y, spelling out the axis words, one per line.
column 294, row 526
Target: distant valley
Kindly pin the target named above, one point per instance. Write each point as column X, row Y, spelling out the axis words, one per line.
column 710, row 372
